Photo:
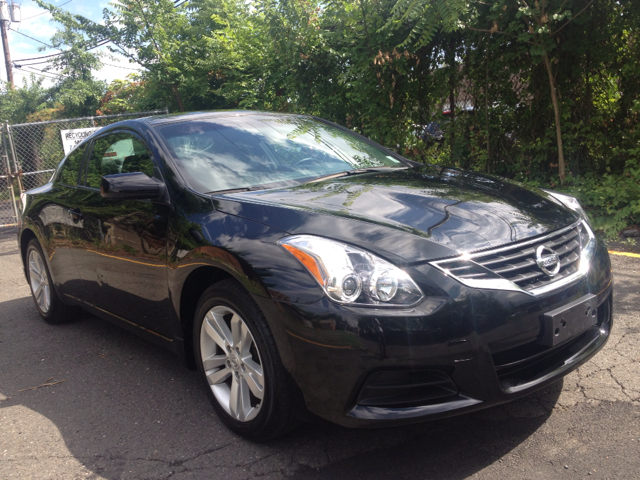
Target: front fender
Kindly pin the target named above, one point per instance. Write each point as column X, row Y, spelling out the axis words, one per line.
column 214, row 245
column 246, row 250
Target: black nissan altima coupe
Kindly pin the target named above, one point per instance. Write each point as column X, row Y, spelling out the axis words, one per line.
column 306, row 271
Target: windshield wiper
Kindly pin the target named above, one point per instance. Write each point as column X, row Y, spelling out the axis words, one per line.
column 235, row 190
column 371, row 169
column 356, row 171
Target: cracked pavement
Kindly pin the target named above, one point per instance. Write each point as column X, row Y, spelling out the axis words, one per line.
column 127, row 409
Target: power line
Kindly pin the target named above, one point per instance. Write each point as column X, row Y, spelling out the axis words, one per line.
column 48, row 75
column 103, row 42
column 47, row 11
column 119, row 66
column 24, row 74
column 44, row 75
column 35, row 39
column 38, row 58
column 41, row 73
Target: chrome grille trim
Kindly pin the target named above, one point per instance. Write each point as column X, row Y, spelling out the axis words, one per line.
column 516, row 270
column 536, row 240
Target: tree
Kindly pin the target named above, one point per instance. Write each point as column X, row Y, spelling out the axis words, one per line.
column 129, row 95
column 76, row 88
column 536, row 23
column 202, row 54
column 16, row 105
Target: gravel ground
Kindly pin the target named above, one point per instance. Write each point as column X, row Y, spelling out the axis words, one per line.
column 124, row 408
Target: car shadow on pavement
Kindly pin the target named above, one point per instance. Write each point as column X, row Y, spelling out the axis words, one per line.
column 124, row 408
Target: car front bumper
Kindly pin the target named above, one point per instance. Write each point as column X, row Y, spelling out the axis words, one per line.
column 459, row 350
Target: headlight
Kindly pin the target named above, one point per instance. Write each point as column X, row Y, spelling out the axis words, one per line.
column 587, row 246
column 350, row 275
column 569, row 202
column 587, row 237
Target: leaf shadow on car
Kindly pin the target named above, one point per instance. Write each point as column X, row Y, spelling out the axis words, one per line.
column 128, row 409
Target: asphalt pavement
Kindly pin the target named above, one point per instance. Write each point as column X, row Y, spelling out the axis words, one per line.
column 108, row 405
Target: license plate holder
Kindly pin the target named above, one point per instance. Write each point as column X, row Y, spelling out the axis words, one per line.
column 569, row 320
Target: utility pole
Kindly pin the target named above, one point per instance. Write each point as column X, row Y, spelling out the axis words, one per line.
column 7, row 55
column 7, row 14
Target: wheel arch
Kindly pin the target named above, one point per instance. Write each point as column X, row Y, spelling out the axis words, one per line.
column 25, row 238
column 192, row 289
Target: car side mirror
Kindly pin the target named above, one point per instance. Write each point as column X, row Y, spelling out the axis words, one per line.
column 135, row 185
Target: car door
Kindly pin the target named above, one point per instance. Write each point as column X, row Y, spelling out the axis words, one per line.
column 63, row 229
column 124, row 268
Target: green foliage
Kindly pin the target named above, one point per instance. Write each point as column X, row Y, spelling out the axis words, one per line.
column 386, row 69
column 16, row 105
column 129, row 95
column 427, row 17
column 75, row 89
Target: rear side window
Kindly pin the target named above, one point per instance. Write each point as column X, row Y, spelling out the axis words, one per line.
column 71, row 166
column 117, row 153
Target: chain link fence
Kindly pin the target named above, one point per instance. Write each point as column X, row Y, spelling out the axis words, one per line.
column 37, row 147
column 31, row 152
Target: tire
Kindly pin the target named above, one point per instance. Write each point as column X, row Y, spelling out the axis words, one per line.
column 238, row 361
column 44, row 295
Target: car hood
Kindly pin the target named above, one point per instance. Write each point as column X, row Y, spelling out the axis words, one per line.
column 457, row 210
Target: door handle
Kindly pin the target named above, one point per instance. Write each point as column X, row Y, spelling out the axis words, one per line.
column 76, row 215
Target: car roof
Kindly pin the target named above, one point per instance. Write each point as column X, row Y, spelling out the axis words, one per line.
column 180, row 117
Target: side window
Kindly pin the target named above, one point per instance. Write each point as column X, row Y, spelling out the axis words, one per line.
column 117, row 153
column 71, row 167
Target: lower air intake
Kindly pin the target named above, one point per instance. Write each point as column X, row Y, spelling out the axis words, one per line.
column 407, row 388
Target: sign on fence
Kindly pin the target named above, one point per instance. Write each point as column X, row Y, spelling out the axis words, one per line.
column 71, row 138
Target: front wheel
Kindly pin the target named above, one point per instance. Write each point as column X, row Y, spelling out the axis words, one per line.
column 49, row 305
column 238, row 359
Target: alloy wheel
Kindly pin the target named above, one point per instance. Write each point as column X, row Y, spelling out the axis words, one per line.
column 39, row 280
column 232, row 363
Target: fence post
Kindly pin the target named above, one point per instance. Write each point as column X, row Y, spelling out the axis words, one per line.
column 18, row 169
column 5, row 154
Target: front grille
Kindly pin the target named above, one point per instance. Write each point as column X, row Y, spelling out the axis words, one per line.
column 517, row 263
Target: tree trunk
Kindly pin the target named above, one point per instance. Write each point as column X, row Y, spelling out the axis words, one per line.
column 486, row 108
column 452, row 91
column 178, row 97
column 556, row 109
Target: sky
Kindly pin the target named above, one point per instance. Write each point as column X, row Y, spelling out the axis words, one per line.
column 38, row 24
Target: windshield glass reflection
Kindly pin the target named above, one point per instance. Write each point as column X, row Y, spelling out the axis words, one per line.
column 248, row 151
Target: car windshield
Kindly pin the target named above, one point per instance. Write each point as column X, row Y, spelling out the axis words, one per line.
column 249, row 151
